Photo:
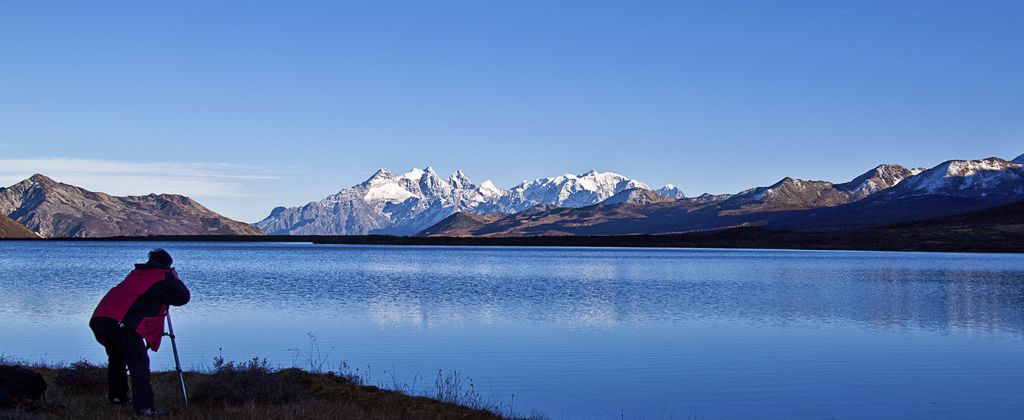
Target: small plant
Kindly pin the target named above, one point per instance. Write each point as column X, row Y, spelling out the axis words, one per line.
column 313, row 360
column 242, row 382
column 345, row 372
column 82, row 377
column 452, row 388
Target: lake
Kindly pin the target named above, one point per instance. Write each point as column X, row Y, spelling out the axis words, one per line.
column 573, row 332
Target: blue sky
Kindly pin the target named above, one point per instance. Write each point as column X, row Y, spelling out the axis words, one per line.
column 250, row 105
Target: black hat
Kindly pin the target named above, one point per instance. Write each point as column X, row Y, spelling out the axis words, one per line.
column 160, row 257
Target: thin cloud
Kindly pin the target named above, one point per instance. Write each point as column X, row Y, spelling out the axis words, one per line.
column 198, row 179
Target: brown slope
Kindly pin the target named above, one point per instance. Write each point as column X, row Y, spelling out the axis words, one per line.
column 11, row 229
column 460, row 224
column 54, row 209
column 598, row 219
column 999, row 229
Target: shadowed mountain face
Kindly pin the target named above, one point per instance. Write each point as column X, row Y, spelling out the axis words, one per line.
column 54, row 209
column 11, row 229
column 886, row 194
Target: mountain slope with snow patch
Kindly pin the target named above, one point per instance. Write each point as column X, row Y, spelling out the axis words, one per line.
column 406, row 204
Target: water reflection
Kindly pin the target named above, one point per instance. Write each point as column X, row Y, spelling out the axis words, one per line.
column 570, row 286
column 740, row 333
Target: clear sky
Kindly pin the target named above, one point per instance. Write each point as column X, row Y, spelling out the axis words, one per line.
column 248, row 105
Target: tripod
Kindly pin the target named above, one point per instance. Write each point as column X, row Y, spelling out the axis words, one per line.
column 177, row 361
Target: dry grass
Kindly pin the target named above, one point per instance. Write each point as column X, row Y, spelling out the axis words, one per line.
column 244, row 390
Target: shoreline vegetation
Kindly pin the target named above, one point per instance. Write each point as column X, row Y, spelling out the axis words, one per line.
column 905, row 237
column 252, row 389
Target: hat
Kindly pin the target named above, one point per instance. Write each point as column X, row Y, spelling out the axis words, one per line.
column 160, row 257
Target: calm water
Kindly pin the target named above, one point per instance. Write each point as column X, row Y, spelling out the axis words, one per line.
column 576, row 333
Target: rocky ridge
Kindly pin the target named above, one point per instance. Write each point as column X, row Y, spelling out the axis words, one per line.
column 57, row 210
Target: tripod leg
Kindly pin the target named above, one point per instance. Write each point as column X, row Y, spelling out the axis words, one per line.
column 177, row 361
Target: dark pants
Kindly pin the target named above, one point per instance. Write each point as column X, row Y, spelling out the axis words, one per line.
column 125, row 349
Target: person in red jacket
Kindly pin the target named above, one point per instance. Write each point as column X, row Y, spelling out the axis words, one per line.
column 129, row 319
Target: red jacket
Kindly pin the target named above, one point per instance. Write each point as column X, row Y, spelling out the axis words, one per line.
column 140, row 301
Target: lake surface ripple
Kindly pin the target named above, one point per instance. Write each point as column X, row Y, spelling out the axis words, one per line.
column 574, row 332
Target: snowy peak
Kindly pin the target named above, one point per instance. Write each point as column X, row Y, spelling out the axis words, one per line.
column 880, row 178
column 966, row 168
column 382, row 176
column 607, row 181
column 431, row 185
column 415, row 174
column 960, row 177
column 488, row 189
column 671, row 191
column 385, row 187
column 386, row 191
column 566, row 190
column 459, row 180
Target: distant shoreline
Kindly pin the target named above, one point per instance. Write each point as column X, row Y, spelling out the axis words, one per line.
column 908, row 240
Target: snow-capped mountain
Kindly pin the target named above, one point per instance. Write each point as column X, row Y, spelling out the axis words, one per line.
column 884, row 195
column 385, row 203
column 985, row 177
column 567, row 190
column 952, row 187
column 405, row 204
column 671, row 191
column 880, row 178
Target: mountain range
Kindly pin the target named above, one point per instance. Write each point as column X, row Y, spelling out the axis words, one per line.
column 420, row 202
column 53, row 209
column 884, row 195
column 407, row 204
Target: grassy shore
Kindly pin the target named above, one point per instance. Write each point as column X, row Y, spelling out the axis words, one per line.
column 251, row 390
